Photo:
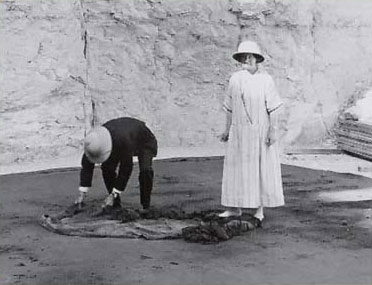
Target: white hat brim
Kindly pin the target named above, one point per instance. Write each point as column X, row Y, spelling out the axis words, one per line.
column 259, row 57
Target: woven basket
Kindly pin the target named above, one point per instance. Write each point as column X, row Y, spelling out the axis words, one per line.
column 355, row 137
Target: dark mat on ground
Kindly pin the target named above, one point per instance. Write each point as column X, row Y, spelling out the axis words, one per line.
column 163, row 223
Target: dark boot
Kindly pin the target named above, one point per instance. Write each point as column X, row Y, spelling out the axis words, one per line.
column 117, row 202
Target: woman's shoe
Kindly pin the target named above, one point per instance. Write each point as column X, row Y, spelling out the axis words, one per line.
column 259, row 217
column 257, row 222
column 231, row 213
column 259, row 214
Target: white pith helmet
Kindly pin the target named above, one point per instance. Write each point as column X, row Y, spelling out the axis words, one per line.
column 98, row 145
column 249, row 47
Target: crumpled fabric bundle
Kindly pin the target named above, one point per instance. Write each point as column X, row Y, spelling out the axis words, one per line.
column 217, row 229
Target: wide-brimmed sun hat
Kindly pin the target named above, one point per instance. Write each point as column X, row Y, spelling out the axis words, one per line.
column 98, row 145
column 249, row 47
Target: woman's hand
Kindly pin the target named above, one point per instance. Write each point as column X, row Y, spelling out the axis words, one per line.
column 271, row 136
column 224, row 137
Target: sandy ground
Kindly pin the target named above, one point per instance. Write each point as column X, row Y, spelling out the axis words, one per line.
column 318, row 237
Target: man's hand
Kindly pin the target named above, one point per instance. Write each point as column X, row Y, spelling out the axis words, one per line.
column 80, row 199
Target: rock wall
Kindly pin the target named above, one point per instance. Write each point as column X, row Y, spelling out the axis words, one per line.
column 168, row 63
column 42, row 114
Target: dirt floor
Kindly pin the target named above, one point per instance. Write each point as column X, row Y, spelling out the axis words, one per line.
column 308, row 241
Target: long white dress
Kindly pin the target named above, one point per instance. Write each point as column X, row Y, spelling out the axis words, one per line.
column 251, row 173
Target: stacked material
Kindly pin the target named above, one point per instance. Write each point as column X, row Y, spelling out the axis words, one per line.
column 354, row 132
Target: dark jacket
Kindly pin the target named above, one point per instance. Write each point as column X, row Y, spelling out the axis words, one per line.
column 129, row 137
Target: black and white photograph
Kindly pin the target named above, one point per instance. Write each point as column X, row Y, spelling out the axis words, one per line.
column 164, row 142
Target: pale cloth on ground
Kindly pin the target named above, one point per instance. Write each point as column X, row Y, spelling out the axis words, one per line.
column 251, row 174
column 362, row 110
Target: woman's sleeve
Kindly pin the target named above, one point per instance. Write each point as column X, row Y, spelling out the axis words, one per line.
column 227, row 102
column 272, row 98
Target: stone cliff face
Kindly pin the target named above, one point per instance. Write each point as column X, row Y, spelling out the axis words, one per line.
column 168, row 63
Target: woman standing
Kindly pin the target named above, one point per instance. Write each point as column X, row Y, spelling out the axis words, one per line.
column 251, row 174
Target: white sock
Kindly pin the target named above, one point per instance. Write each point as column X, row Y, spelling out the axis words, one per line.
column 259, row 213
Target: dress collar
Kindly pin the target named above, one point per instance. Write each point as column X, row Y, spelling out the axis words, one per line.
column 258, row 72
